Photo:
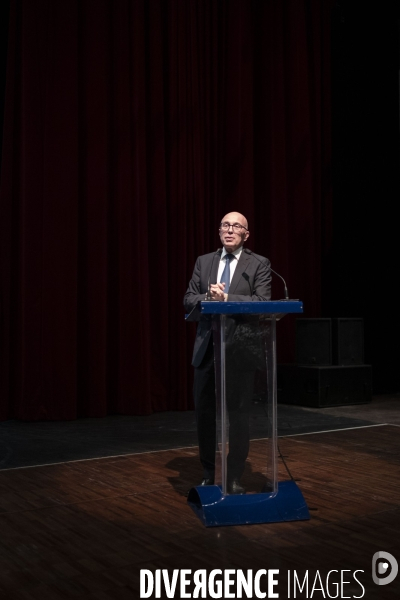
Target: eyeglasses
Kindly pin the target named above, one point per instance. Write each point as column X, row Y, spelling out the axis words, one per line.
column 237, row 227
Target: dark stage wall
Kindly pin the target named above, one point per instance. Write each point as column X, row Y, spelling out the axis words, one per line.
column 130, row 128
column 362, row 269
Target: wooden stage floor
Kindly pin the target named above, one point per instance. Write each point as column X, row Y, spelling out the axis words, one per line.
column 84, row 529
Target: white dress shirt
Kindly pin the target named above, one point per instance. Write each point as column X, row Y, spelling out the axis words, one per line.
column 233, row 264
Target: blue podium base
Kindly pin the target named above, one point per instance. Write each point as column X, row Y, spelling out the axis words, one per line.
column 214, row 509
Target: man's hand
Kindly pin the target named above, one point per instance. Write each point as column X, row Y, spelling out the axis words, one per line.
column 217, row 292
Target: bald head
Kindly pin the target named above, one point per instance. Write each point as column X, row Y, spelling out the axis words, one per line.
column 233, row 238
column 235, row 217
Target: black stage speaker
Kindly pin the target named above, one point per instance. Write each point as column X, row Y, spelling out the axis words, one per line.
column 324, row 386
column 347, row 341
column 313, row 342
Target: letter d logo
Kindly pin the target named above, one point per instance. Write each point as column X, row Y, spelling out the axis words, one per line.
column 383, row 568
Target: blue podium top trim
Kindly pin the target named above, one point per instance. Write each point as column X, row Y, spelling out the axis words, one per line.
column 252, row 308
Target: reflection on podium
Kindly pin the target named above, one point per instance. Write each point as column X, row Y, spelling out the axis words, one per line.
column 244, row 335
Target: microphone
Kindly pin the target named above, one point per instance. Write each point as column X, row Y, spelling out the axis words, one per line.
column 275, row 273
column 284, row 283
column 208, row 295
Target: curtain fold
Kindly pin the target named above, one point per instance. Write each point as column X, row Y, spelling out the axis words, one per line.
column 131, row 128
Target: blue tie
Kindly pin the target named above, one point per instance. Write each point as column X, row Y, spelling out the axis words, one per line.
column 226, row 273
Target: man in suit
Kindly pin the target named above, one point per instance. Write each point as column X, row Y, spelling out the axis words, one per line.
column 239, row 275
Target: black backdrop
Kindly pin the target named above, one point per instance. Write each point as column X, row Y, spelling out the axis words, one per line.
column 361, row 273
column 130, row 128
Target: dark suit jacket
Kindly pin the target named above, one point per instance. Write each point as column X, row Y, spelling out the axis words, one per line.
column 251, row 281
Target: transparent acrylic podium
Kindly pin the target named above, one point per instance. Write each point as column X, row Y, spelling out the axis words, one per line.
column 244, row 335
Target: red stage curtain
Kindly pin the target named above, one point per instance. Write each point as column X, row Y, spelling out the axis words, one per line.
column 131, row 128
